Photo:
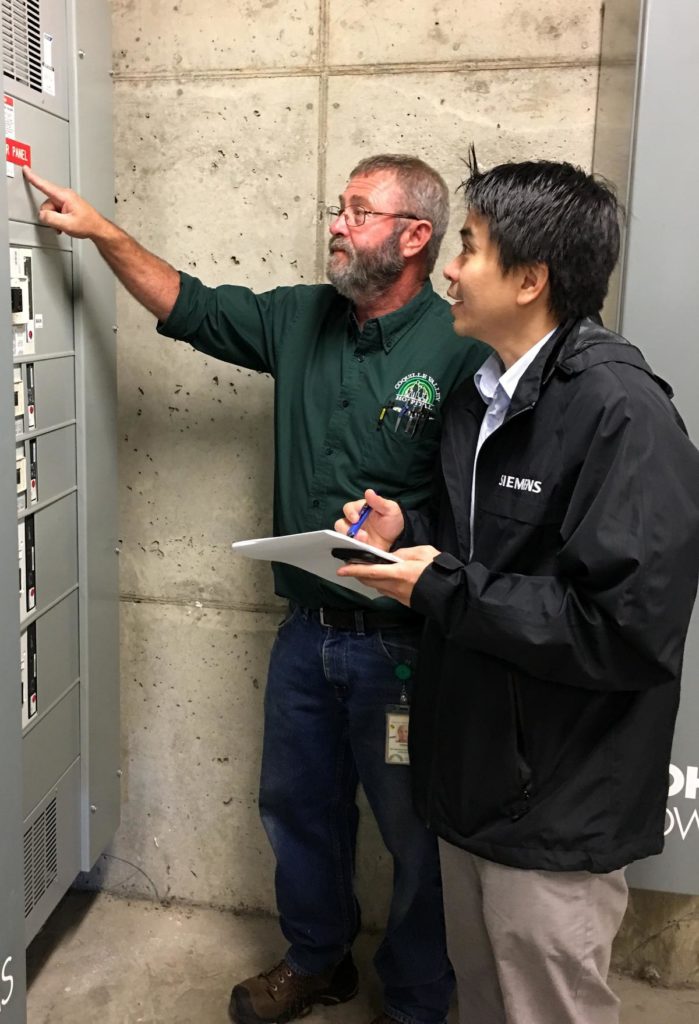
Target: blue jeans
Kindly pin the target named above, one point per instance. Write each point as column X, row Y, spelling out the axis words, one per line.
column 325, row 726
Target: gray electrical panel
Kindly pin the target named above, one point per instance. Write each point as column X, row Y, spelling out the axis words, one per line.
column 646, row 142
column 59, row 681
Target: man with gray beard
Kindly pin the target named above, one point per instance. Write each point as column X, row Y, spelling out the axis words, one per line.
column 366, row 275
column 361, row 367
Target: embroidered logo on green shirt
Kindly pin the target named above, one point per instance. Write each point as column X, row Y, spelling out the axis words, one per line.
column 419, row 387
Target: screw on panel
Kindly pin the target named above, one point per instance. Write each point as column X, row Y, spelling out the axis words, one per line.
column 93, row 809
column 81, row 54
column 119, row 773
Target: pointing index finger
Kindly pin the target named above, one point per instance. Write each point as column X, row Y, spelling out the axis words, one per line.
column 54, row 192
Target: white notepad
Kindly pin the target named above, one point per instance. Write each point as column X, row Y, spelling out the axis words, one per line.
column 313, row 552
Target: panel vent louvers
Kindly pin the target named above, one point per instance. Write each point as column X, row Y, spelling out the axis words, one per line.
column 40, row 857
column 21, row 41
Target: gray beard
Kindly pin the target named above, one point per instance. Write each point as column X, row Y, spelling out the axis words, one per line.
column 365, row 275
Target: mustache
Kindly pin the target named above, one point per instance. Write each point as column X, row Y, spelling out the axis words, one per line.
column 340, row 245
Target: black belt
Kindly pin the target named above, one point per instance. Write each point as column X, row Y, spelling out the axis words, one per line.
column 362, row 620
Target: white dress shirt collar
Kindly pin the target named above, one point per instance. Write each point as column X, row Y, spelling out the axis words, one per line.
column 491, row 373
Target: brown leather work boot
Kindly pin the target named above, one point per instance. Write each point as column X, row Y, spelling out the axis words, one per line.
column 280, row 994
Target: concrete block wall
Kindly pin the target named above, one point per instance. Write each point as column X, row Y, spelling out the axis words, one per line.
column 233, row 122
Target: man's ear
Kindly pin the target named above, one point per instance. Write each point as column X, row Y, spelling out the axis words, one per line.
column 533, row 282
column 415, row 238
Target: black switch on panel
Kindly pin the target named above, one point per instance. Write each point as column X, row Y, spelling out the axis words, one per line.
column 33, row 687
column 33, row 471
column 30, row 551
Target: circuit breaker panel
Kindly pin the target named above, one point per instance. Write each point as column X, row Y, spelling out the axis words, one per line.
column 645, row 135
column 59, row 640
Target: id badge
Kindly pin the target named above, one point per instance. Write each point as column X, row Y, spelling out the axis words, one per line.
column 397, row 726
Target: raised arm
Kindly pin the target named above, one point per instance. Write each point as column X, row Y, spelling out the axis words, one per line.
column 151, row 281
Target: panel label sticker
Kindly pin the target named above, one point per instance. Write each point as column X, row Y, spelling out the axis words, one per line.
column 17, row 152
column 48, row 73
column 9, row 130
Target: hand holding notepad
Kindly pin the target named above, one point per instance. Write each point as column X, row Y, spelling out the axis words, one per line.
column 314, row 553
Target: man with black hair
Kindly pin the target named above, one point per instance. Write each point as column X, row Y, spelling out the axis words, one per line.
column 557, row 598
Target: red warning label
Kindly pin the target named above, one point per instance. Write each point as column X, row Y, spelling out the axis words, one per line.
column 18, row 152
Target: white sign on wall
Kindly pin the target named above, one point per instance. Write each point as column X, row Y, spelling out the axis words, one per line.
column 682, row 813
column 7, row 983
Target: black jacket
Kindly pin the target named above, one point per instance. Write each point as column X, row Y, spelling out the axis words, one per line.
column 549, row 680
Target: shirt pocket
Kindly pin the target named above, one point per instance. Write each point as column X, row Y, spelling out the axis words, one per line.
column 516, row 532
column 394, row 462
column 524, row 507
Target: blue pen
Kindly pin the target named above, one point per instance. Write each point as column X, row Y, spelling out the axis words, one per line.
column 363, row 515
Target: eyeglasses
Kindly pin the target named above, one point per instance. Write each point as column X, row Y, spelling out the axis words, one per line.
column 355, row 216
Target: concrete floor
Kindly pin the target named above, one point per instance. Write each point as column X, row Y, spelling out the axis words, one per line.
column 102, row 960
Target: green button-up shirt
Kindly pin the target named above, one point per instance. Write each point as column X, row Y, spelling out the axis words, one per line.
column 332, row 380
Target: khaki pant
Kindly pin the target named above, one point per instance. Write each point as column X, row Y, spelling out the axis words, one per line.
column 530, row 947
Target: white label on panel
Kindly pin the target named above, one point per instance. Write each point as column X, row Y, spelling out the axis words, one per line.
column 9, row 131
column 19, row 336
column 48, row 81
column 47, row 52
column 38, row 321
column 48, row 74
